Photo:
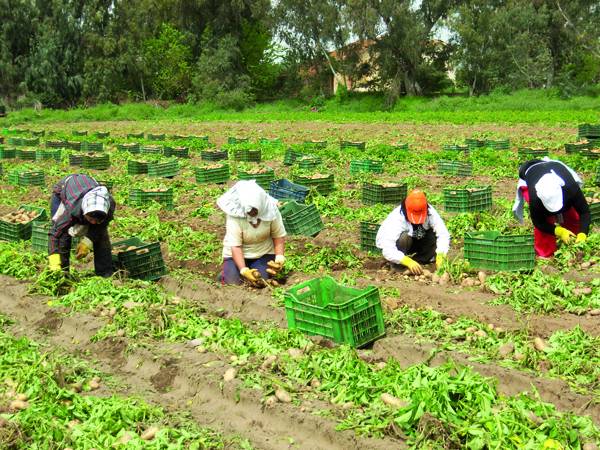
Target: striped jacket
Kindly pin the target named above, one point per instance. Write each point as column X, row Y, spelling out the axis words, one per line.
column 71, row 190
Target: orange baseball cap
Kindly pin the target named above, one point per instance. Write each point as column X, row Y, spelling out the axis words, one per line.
column 416, row 207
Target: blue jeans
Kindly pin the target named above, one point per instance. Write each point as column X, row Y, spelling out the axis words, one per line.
column 231, row 274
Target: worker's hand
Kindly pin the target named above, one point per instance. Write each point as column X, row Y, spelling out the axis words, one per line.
column 253, row 277
column 274, row 267
column 581, row 237
column 440, row 259
column 414, row 267
column 84, row 248
column 563, row 234
column 54, row 262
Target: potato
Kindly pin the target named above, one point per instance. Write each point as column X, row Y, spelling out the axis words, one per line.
column 539, row 344
column 392, row 401
column 149, row 434
column 18, row 405
column 283, row 396
column 229, row 374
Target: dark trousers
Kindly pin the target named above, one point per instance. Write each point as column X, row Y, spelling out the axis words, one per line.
column 421, row 250
column 98, row 234
column 231, row 274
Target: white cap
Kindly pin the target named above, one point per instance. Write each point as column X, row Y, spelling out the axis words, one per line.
column 549, row 190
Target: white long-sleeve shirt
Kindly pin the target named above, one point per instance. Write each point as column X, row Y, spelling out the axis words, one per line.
column 396, row 223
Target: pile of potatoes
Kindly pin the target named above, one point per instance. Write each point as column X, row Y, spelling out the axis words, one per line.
column 151, row 191
column 444, row 278
column 213, row 166
column 20, row 216
column 317, row 176
column 122, row 249
column 258, row 171
column 592, row 200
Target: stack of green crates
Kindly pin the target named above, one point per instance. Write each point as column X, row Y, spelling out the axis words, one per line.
column 593, row 198
column 586, row 131
column 43, row 155
column 316, row 145
column 214, row 173
column 140, row 197
column 455, row 168
column 368, row 234
column 308, row 162
column 155, row 137
column 56, row 144
column 97, row 162
column 74, row 145
column 532, row 153
column 163, row 169
column 501, row 144
column 26, row 155
column 132, row 147
column 145, row 262
column 577, row 147
column 135, row 135
column 343, row 314
column 373, row 193
column 21, row 231
column 92, row 146
column 291, row 156
column 247, row 155
column 7, row 153
column 137, row 167
column 151, row 149
column 237, row 140
column 300, row 219
column 263, row 179
column 365, row 165
column 177, row 152
column 345, row 145
column 76, row 159
column 18, row 177
column 491, row 250
column 323, row 184
column 214, row 155
column 468, row 199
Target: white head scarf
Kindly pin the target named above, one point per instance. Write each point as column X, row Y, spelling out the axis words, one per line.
column 549, row 190
column 243, row 197
column 98, row 199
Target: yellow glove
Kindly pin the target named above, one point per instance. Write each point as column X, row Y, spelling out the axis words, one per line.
column 440, row 259
column 274, row 267
column 581, row 237
column 54, row 262
column 84, row 248
column 414, row 267
column 563, row 234
column 251, row 275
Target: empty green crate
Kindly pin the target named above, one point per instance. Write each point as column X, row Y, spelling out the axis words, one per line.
column 137, row 167
column 212, row 174
column 291, row 156
column 141, row 197
column 145, row 262
column 177, row 152
column 263, row 179
column 468, row 199
column 373, row 193
column 43, row 155
column 474, row 143
column 455, row 168
column 214, row 155
column 97, row 162
column 368, row 235
column 493, row 251
column 132, row 147
column 7, row 153
column 56, row 144
column 39, row 236
column 323, row 184
column 300, row 219
column 365, row 165
column 285, row 189
column 151, row 149
column 155, row 137
column 532, row 153
column 92, row 146
column 246, row 155
column 21, row 231
column 352, row 145
column 26, row 155
column 307, row 162
column 76, row 159
column 343, row 314
column 26, row 178
column 237, row 140
column 502, row 144
column 165, row 169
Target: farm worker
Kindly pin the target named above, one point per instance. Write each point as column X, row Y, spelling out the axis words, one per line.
column 414, row 228
column 557, row 207
column 80, row 207
column 254, row 241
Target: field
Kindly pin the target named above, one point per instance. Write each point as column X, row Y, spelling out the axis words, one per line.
column 475, row 360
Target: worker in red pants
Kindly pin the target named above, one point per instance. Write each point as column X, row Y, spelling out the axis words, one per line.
column 557, row 206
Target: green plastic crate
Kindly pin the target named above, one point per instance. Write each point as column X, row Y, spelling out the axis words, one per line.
column 137, row 167
column 215, row 173
column 97, row 162
column 14, row 140
column 491, row 250
column 308, row 162
column 56, row 144
column 164, row 169
column 300, row 219
column 135, row 135
column 468, row 199
column 7, row 153
column 76, row 159
column 177, row 152
column 373, row 193
column 26, row 155
column 247, row 155
column 38, row 133
column 146, row 262
column 214, row 155
column 79, row 133
column 151, row 149
column 323, row 185
column 365, row 165
column 291, row 156
column 577, row 147
column 474, row 143
column 132, row 147
column 92, row 146
column 526, row 153
column 44, row 155
column 455, row 168
column 21, row 231
column 39, row 236
column 344, row 145
column 74, row 145
column 156, row 137
column 102, row 134
column 265, row 140
column 597, row 177
column 589, row 130
column 237, row 140
column 316, row 145
column 502, row 144
column 343, row 314
column 262, row 179
column 140, row 197
column 593, row 199
column 368, row 234
column 456, row 148
column 592, row 153
column 17, row 177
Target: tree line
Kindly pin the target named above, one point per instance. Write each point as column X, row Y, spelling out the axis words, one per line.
column 235, row 52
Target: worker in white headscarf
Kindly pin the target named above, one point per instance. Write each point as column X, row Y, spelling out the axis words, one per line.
column 557, row 206
column 254, row 243
column 80, row 207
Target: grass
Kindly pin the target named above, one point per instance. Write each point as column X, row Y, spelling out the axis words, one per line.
column 519, row 107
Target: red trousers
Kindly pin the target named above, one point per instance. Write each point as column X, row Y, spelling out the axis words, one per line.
column 545, row 243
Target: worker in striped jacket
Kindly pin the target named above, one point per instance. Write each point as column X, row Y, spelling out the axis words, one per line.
column 80, row 207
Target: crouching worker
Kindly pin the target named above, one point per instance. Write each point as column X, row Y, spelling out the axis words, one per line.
column 414, row 228
column 254, row 241
column 557, row 206
column 80, row 207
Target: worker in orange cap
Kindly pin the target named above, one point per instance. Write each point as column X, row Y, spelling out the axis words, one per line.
column 414, row 228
